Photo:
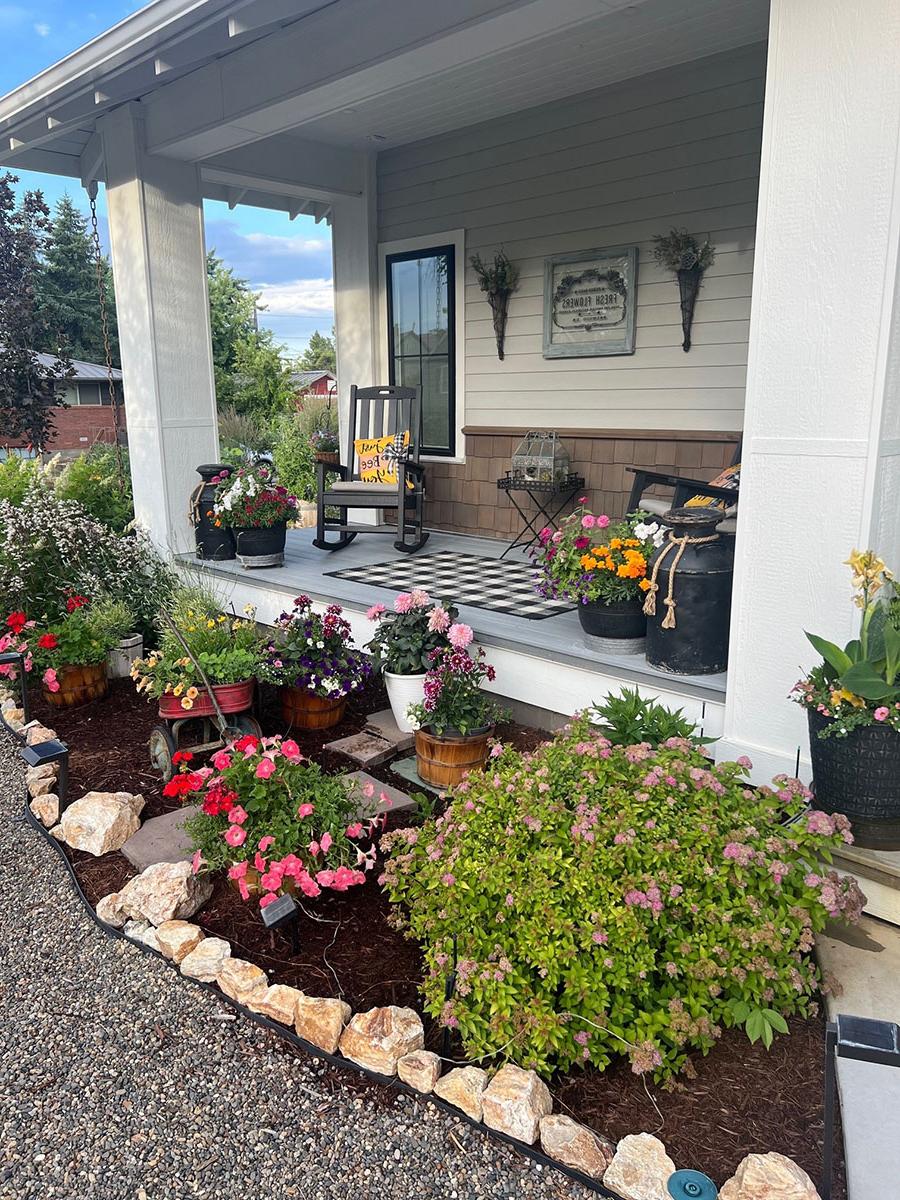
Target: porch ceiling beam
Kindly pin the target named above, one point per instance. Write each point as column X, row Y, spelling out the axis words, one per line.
column 297, row 210
column 283, row 80
column 47, row 161
column 235, row 196
column 91, row 166
column 263, row 14
column 292, row 193
column 309, row 169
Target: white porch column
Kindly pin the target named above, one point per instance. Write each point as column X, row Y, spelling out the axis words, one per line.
column 821, row 472
column 159, row 263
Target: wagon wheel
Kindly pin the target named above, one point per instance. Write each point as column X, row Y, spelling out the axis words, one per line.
column 239, row 723
column 162, row 749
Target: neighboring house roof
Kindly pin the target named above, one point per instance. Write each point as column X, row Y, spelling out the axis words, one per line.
column 308, row 378
column 83, row 372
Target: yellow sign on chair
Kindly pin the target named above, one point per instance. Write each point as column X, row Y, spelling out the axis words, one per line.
column 378, row 457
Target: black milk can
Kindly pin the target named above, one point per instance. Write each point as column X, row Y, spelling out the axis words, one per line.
column 688, row 604
column 216, row 543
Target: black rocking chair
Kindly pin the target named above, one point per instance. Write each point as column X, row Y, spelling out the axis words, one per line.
column 376, row 412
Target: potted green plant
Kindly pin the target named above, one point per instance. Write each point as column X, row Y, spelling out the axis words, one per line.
column 687, row 258
column 325, row 445
column 852, row 698
column 313, row 661
column 403, row 644
column 455, row 718
column 498, row 280
column 71, row 653
column 602, row 565
column 257, row 508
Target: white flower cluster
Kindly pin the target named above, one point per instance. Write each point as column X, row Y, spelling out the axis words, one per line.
column 239, row 487
column 650, row 531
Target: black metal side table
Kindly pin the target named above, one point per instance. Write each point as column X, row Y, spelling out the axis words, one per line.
column 549, row 499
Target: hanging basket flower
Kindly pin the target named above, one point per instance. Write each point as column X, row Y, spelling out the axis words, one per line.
column 498, row 280
column 681, row 253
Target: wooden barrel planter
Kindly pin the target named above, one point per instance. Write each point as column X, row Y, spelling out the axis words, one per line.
column 444, row 760
column 78, row 685
column 303, row 710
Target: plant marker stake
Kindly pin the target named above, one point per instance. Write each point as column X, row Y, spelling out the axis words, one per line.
column 797, row 764
column 449, row 989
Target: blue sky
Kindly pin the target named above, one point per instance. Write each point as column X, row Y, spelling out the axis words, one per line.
column 288, row 261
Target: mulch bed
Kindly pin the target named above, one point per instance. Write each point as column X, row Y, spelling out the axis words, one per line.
column 744, row 1099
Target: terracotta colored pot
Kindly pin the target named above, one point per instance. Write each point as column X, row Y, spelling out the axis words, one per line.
column 232, row 698
column 303, row 710
column 331, row 458
column 444, row 761
column 78, row 685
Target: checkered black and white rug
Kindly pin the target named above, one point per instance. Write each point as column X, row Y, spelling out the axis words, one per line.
column 492, row 583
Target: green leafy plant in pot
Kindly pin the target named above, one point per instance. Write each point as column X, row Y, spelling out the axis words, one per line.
column 853, row 701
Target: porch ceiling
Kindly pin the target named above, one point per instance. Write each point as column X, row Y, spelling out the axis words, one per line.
column 212, row 77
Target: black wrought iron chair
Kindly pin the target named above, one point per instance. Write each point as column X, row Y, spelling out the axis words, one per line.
column 683, row 488
column 376, row 412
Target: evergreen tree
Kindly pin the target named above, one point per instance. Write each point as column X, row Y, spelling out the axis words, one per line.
column 68, row 296
column 27, row 386
column 319, row 355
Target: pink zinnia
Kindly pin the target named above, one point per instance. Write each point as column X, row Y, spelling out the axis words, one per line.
column 403, row 603
column 265, row 768
column 882, row 713
column 602, row 521
column 419, row 598
column 588, row 521
column 235, row 836
column 375, row 612
column 460, row 636
column 439, row 620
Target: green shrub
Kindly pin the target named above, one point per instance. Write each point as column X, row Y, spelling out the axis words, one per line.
column 92, row 480
column 244, row 433
column 295, row 462
column 316, row 416
column 617, row 901
column 16, row 474
column 629, row 718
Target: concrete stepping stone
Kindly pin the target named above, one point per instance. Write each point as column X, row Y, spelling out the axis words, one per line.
column 406, row 768
column 396, row 800
column 384, row 726
column 365, row 749
column 161, row 839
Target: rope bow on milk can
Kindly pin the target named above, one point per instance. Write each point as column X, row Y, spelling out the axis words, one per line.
column 688, row 601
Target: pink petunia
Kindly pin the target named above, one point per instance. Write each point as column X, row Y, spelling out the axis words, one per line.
column 266, row 900
column 259, row 862
column 460, row 635
column 291, row 750
column 354, row 830
column 305, row 810
column 237, row 870
column 325, row 878
column 313, row 847
column 265, row 843
column 271, row 881
column 235, row 836
column 237, row 815
column 265, row 768
column 196, row 862
column 325, row 842
column 50, row 681
column 221, row 760
column 243, row 889
column 403, row 603
column 882, row 713
column 375, row 612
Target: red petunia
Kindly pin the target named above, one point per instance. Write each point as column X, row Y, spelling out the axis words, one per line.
column 179, row 756
column 17, row 621
column 74, row 602
column 247, row 742
column 47, row 641
column 182, row 785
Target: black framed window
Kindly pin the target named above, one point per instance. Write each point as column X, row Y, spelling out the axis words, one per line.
column 421, row 300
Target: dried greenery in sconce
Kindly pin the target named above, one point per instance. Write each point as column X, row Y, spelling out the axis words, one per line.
column 498, row 280
column 680, row 252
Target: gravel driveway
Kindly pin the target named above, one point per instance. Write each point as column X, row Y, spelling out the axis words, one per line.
column 120, row 1081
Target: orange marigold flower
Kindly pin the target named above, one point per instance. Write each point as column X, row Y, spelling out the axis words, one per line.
column 644, row 584
column 615, row 543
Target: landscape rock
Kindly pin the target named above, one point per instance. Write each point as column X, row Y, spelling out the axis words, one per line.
column 149, row 937
column 35, row 733
column 136, row 929
column 769, row 1177
column 165, row 892
column 40, row 787
column 240, row 979
column 177, row 939
column 464, row 1087
column 277, row 1001
column 640, row 1168
column 575, row 1145
column 379, row 1038
column 514, row 1102
column 420, row 1069
column 110, row 911
column 321, row 1020
column 46, row 809
column 14, row 717
column 206, row 960
column 100, row 822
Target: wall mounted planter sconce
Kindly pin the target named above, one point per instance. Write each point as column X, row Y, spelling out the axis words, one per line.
column 498, row 280
column 681, row 253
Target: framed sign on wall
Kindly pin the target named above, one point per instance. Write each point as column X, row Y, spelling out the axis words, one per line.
column 589, row 302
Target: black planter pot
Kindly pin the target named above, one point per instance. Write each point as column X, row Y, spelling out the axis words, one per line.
column 859, row 775
column 698, row 643
column 261, row 547
column 622, row 620
column 216, row 544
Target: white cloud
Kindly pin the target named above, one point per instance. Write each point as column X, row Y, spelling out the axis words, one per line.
column 42, row 29
column 298, row 297
column 286, row 245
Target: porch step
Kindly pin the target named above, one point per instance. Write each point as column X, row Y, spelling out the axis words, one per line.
column 878, row 874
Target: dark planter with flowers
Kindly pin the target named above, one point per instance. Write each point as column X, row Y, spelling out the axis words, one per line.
column 257, row 509
column 261, row 546
column 859, row 775
column 619, row 620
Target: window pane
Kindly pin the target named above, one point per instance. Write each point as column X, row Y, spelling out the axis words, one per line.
column 436, row 403
column 88, row 393
column 433, row 303
column 405, row 299
column 407, row 372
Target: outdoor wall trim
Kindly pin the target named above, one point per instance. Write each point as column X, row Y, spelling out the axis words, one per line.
column 614, row 434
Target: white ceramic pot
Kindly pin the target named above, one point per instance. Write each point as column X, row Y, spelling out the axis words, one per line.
column 128, row 650
column 402, row 691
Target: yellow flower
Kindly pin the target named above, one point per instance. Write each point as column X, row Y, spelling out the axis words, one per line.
column 842, row 694
column 220, row 618
column 178, row 689
column 168, row 688
column 210, row 624
column 187, row 703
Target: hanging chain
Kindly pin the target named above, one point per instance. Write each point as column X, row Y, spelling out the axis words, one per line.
column 104, row 325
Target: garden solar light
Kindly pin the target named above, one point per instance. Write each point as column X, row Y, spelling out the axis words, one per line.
column 866, row 1040
column 691, row 1185
column 14, row 658
column 282, row 913
column 50, row 752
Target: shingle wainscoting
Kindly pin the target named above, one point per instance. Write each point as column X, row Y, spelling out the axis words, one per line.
column 464, row 498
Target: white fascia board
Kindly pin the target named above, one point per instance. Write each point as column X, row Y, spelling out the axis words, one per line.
column 339, row 56
column 296, row 166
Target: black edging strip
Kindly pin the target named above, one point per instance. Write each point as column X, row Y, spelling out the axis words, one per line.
column 287, row 1034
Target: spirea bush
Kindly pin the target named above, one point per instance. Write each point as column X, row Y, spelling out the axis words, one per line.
column 611, row 900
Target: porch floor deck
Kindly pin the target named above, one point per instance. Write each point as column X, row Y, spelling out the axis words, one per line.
column 557, row 639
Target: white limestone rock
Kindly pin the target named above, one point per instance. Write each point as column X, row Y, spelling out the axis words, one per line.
column 110, row 911
column 575, row 1145
column 464, row 1088
column 379, row 1038
column 769, row 1177
column 320, row 1020
column 46, row 809
column 640, row 1168
column 100, row 821
column 278, row 1001
column 206, row 960
column 514, row 1102
column 176, row 939
column 240, row 979
column 420, row 1069
column 165, row 892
